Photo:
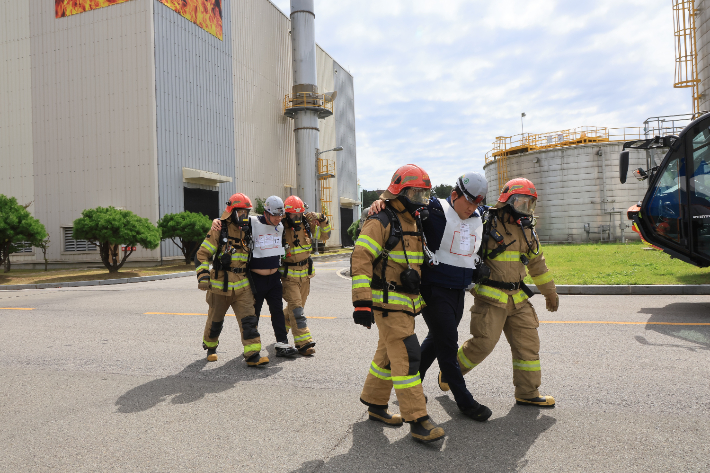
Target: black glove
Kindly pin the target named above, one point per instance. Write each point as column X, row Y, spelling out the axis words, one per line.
column 362, row 313
column 480, row 273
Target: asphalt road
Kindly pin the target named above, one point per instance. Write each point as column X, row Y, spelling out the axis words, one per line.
column 115, row 379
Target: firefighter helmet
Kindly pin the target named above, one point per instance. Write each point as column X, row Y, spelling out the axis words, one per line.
column 238, row 201
column 520, row 194
column 294, row 205
column 412, row 183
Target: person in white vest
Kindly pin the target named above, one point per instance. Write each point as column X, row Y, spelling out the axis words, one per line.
column 267, row 234
column 453, row 231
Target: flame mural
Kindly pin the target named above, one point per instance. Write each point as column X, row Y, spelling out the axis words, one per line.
column 207, row 14
column 64, row 8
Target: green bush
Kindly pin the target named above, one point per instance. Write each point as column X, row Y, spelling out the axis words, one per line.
column 259, row 205
column 17, row 225
column 354, row 230
column 186, row 230
column 109, row 228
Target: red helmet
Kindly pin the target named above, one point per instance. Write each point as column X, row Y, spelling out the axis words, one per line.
column 238, row 201
column 294, row 205
column 409, row 175
column 520, row 194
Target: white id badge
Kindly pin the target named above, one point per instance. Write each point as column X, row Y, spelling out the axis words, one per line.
column 261, row 241
column 465, row 238
column 268, row 241
column 277, row 241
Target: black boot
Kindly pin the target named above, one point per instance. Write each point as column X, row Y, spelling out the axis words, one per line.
column 540, row 401
column 383, row 415
column 426, row 431
column 480, row 413
column 211, row 354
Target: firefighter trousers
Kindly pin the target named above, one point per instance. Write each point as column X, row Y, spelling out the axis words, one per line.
column 520, row 328
column 296, row 292
column 242, row 302
column 396, row 365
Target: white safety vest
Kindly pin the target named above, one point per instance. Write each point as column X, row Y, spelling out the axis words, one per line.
column 267, row 239
column 461, row 239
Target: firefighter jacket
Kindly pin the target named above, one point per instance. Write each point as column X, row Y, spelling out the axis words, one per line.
column 369, row 246
column 508, row 266
column 299, row 245
column 236, row 280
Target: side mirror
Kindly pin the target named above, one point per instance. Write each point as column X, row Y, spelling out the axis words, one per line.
column 623, row 166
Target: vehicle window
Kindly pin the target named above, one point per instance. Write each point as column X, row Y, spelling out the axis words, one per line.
column 664, row 209
column 700, row 200
column 701, row 139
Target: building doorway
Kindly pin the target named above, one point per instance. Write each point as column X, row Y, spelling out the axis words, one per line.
column 346, row 219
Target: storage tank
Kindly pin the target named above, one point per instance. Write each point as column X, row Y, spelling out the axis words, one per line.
column 580, row 197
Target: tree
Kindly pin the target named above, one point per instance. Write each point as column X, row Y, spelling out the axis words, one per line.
column 354, row 230
column 259, row 205
column 442, row 191
column 187, row 228
column 368, row 197
column 109, row 227
column 17, row 225
column 44, row 245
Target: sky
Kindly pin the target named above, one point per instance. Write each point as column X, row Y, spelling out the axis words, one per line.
column 437, row 81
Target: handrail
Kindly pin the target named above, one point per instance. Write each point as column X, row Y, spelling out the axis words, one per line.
column 306, row 100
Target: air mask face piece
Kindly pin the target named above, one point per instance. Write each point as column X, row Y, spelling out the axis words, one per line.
column 523, row 204
column 240, row 217
column 295, row 220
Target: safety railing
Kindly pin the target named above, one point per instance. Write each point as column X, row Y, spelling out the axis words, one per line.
column 306, row 100
column 505, row 146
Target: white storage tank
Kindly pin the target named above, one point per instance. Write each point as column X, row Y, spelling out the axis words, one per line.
column 580, row 197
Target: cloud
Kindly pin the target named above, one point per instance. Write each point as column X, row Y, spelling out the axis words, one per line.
column 436, row 82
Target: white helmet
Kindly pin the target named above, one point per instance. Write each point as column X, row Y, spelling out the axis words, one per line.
column 474, row 187
column 274, row 205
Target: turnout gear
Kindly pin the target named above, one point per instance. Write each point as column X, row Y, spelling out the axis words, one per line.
column 387, row 257
column 383, row 415
column 297, row 267
column 426, row 431
column 473, row 186
column 552, row 302
column 227, row 286
column 274, row 205
column 211, row 354
column 362, row 313
column 501, row 302
column 257, row 360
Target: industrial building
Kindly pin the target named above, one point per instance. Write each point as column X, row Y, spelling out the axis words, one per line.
column 576, row 170
column 160, row 106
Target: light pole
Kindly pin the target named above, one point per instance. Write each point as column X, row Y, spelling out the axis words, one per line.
column 319, row 178
column 522, row 128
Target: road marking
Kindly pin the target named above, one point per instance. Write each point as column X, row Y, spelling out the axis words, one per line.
column 226, row 315
column 620, row 323
column 15, row 308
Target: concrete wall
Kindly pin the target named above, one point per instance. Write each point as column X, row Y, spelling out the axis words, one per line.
column 327, row 137
column 572, row 185
column 195, row 111
column 93, row 110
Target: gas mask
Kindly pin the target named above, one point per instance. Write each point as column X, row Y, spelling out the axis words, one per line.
column 240, row 217
column 294, row 220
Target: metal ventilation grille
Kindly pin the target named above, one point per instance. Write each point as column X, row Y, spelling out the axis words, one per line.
column 23, row 247
column 71, row 244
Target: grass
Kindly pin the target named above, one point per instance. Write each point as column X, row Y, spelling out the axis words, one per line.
column 34, row 276
column 617, row 264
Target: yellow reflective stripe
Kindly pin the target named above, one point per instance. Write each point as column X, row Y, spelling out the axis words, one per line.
column 544, row 278
column 252, row 347
column 381, row 373
column 404, row 382
column 240, row 257
column 232, row 285
column 526, row 365
column 361, row 281
column 296, row 273
column 303, row 337
column 204, row 266
column 325, row 229
column 519, row 297
column 295, row 251
column 508, row 256
column 210, row 344
column 209, row 246
column 418, row 303
column 491, row 292
column 367, row 242
column 414, row 256
column 468, row 364
column 395, row 298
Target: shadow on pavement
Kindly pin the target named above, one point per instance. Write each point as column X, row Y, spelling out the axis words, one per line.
column 191, row 384
column 500, row 444
column 680, row 312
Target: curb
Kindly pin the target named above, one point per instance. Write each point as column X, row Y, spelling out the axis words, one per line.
column 104, row 282
column 652, row 290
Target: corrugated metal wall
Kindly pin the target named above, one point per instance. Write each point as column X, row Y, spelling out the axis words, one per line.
column 93, row 99
column 16, row 165
column 345, row 135
column 571, row 183
column 262, row 76
column 327, row 139
column 194, row 99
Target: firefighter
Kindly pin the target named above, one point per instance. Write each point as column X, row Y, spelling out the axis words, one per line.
column 301, row 232
column 385, row 284
column 509, row 247
column 227, row 283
